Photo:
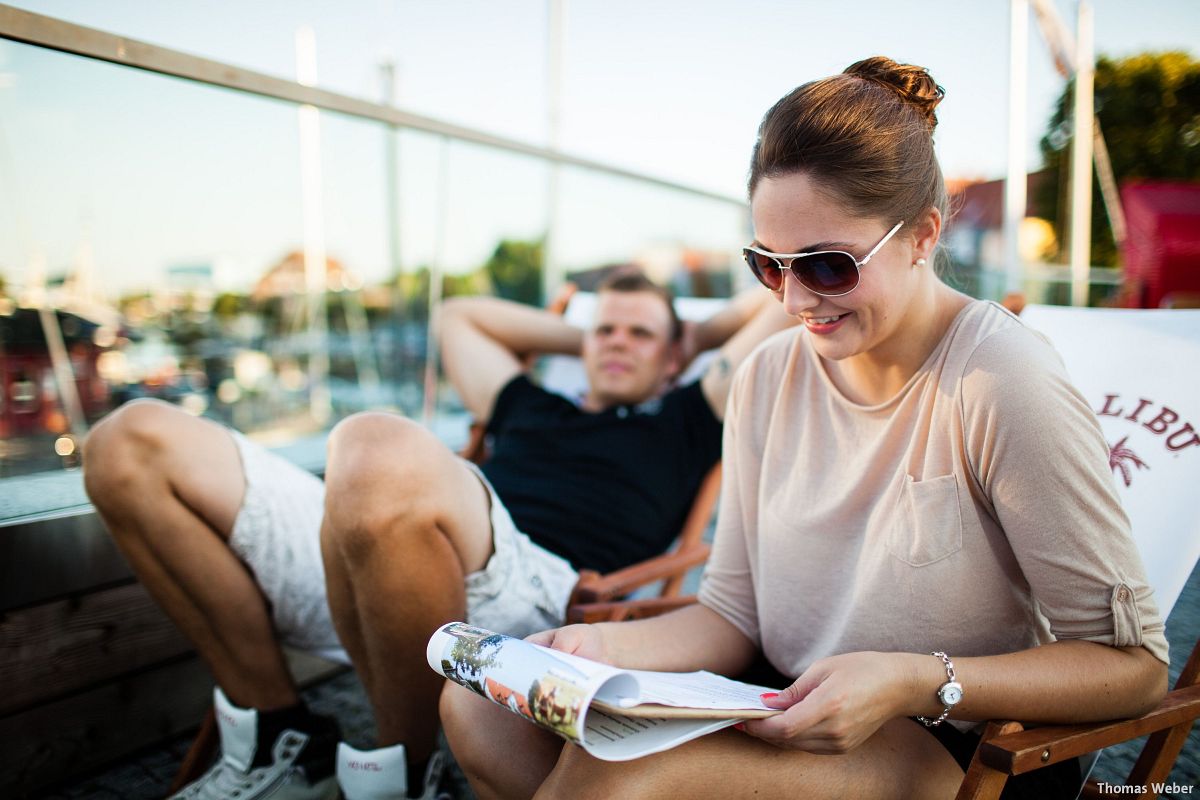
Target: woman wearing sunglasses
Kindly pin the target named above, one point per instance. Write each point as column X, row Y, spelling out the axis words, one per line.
column 918, row 526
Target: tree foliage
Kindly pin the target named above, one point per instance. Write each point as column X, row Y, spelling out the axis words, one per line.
column 515, row 270
column 1149, row 110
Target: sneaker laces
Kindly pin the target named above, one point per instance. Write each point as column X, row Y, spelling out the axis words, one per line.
column 223, row 782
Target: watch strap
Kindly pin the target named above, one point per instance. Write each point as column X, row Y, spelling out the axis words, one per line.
column 950, row 677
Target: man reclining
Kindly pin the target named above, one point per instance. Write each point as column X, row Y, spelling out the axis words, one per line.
column 244, row 550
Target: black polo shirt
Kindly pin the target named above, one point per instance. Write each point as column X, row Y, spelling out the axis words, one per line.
column 602, row 490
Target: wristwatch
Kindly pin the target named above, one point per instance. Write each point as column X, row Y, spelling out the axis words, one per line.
column 949, row 693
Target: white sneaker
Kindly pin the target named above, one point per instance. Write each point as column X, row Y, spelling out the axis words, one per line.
column 382, row 774
column 234, row 777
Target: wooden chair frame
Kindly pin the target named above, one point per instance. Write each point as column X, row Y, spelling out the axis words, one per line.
column 1007, row 748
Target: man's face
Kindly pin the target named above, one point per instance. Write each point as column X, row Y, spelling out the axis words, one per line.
column 628, row 353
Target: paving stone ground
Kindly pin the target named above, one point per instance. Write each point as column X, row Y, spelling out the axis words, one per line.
column 146, row 775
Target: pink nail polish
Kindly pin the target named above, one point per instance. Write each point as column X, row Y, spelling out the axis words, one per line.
column 768, row 695
column 741, row 726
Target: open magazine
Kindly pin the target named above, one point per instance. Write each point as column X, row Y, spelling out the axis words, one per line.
column 614, row 714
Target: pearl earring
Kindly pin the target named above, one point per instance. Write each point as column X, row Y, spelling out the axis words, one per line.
column 920, row 262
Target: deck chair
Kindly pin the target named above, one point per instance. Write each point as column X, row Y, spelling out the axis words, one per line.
column 1137, row 369
column 596, row 597
column 658, row 581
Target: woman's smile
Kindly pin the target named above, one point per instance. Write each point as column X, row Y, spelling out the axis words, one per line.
column 825, row 325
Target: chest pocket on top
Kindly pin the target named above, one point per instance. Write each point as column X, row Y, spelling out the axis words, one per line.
column 927, row 525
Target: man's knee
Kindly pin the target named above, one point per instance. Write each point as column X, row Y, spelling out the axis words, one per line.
column 125, row 445
column 377, row 452
column 382, row 480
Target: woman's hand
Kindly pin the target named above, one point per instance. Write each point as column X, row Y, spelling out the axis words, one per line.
column 586, row 641
column 838, row 703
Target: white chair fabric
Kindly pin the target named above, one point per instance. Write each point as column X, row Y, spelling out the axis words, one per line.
column 1140, row 372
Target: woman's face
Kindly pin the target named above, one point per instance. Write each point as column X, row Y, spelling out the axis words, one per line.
column 790, row 216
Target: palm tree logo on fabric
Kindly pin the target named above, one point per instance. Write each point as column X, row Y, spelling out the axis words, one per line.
column 1121, row 457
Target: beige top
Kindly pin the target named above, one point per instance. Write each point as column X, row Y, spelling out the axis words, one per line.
column 974, row 512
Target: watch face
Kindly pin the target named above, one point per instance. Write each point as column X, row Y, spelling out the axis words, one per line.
column 950, row 693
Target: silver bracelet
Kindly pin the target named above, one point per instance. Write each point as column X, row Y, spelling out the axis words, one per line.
column 950, row 692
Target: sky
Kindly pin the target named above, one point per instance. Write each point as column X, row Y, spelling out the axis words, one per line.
column 673, row 89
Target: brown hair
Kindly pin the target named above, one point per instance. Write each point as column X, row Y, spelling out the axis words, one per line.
column 634, row 280
column 866, row 134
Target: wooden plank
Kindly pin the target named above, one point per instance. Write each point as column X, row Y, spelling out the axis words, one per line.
column 56, row 741
column 55, row 559
column 981, row 782
column 1022, row 752
column 51, row 650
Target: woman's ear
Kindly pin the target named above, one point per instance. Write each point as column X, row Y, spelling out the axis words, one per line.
column 926, row 233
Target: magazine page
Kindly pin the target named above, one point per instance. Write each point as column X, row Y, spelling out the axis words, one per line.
column 617, row 737
column 613, row 714
column 702, row 692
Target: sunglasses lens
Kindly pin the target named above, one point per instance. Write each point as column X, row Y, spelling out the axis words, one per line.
column 831, row 273
column 765, row 269
column 827, row 273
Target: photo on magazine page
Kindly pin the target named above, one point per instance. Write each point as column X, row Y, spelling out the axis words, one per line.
column 544, row 690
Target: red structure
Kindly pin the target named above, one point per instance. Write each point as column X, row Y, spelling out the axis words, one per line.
column 1162, row 246
column 29, row 402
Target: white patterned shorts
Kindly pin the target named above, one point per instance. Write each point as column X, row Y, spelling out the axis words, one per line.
column 522, row 589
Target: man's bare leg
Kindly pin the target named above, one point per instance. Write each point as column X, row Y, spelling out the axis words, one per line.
column 168, row 487
column 405, row 521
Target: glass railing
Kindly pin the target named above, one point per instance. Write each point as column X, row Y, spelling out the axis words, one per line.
column 435, row 72
column 162, row 236
column 1041, row 282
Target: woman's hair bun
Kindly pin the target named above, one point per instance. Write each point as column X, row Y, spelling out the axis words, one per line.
column 914, row 85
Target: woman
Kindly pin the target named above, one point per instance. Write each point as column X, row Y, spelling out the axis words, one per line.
column 910, row 474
